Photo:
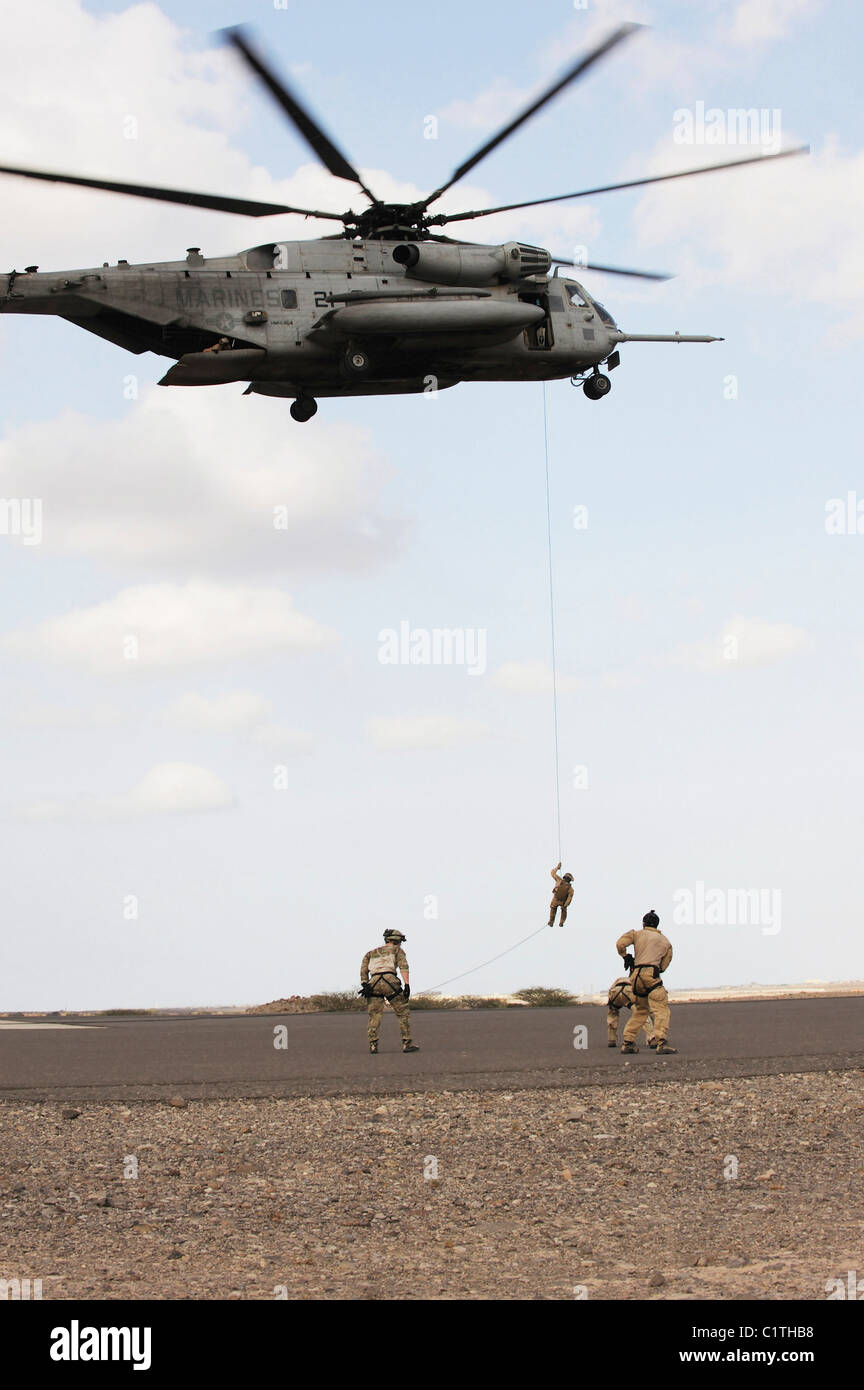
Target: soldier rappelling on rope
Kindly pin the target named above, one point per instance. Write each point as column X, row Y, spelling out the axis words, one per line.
column 562, row 895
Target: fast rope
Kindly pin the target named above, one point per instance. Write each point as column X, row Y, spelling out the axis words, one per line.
column 532, row 934
column 552, row 622
column 486, row 962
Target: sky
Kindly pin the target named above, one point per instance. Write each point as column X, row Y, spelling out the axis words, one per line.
column 234, row 809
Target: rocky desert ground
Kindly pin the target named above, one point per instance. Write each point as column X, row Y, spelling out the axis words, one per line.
column 747, row 1188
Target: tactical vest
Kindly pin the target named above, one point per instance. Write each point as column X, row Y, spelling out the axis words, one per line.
column 561, row 892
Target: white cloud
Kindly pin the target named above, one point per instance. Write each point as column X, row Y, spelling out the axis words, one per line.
column 742, row 642
column 425, row 731
column 203, row 479
column 167, row 789
column 489, row 108
column 766, row 230
column 158, row 627
column 532, row 678
column 756, row 21
column 240, row 712
column 282, row 741
column 141, row 104
column 644, row 54
column 42, row 714
column 237, row 712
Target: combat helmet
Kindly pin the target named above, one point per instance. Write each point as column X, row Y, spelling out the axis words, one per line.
column 391, row 934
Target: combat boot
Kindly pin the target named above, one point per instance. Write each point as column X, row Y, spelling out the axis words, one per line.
column 629, row 1047
column 653, row 1042
column 410, row 1047
column 663, row 1049
column 612, row 1043
column 373, row 1047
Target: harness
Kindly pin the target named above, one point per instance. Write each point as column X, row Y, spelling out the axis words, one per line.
column 619, row 1000
column 384, row 974
column 636, row 980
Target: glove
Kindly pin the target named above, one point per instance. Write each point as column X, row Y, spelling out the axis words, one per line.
column 629, row 961
column 365, row 989
column 406, row 990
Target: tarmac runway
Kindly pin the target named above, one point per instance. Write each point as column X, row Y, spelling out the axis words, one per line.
column 326, row 1054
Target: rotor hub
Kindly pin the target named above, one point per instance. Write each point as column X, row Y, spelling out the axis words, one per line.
column 388, row 222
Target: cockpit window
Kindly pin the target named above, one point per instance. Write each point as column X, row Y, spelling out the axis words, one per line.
column 575, row 296
column 604, row 314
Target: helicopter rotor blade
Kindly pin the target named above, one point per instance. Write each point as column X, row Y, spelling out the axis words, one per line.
column 443, row 217
column 216, row 202
column 330, row 156
column 578, row 69
column 614, row 270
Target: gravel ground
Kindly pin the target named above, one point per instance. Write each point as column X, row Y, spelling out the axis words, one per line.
column 538, row 1192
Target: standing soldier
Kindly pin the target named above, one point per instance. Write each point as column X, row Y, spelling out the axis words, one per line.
column 621, row 997
column 380, row 984
column 562, row 895
column 652, row 952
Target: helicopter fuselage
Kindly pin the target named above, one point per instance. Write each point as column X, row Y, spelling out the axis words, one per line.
column 285, row 316
column 342, row 317
column 385, row 305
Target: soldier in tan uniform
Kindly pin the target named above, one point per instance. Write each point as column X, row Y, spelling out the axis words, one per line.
column 380, row 984
column 562, row 896
column 651, row 954
column 621, row 996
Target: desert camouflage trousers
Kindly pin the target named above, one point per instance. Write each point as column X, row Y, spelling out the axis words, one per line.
column 612, row 1017
column 657, row 1004
column 399, row 1005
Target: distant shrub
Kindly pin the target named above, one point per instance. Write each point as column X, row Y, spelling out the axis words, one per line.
column 346, row 1001
column 458, row 1001
column 338, row 1002
column 539, row 997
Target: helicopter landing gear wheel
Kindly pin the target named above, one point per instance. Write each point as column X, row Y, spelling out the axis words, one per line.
column 356, row 362
column 597, row 386
column 303, row 408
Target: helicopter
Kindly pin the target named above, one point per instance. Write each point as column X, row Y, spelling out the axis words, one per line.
column 384, row 306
